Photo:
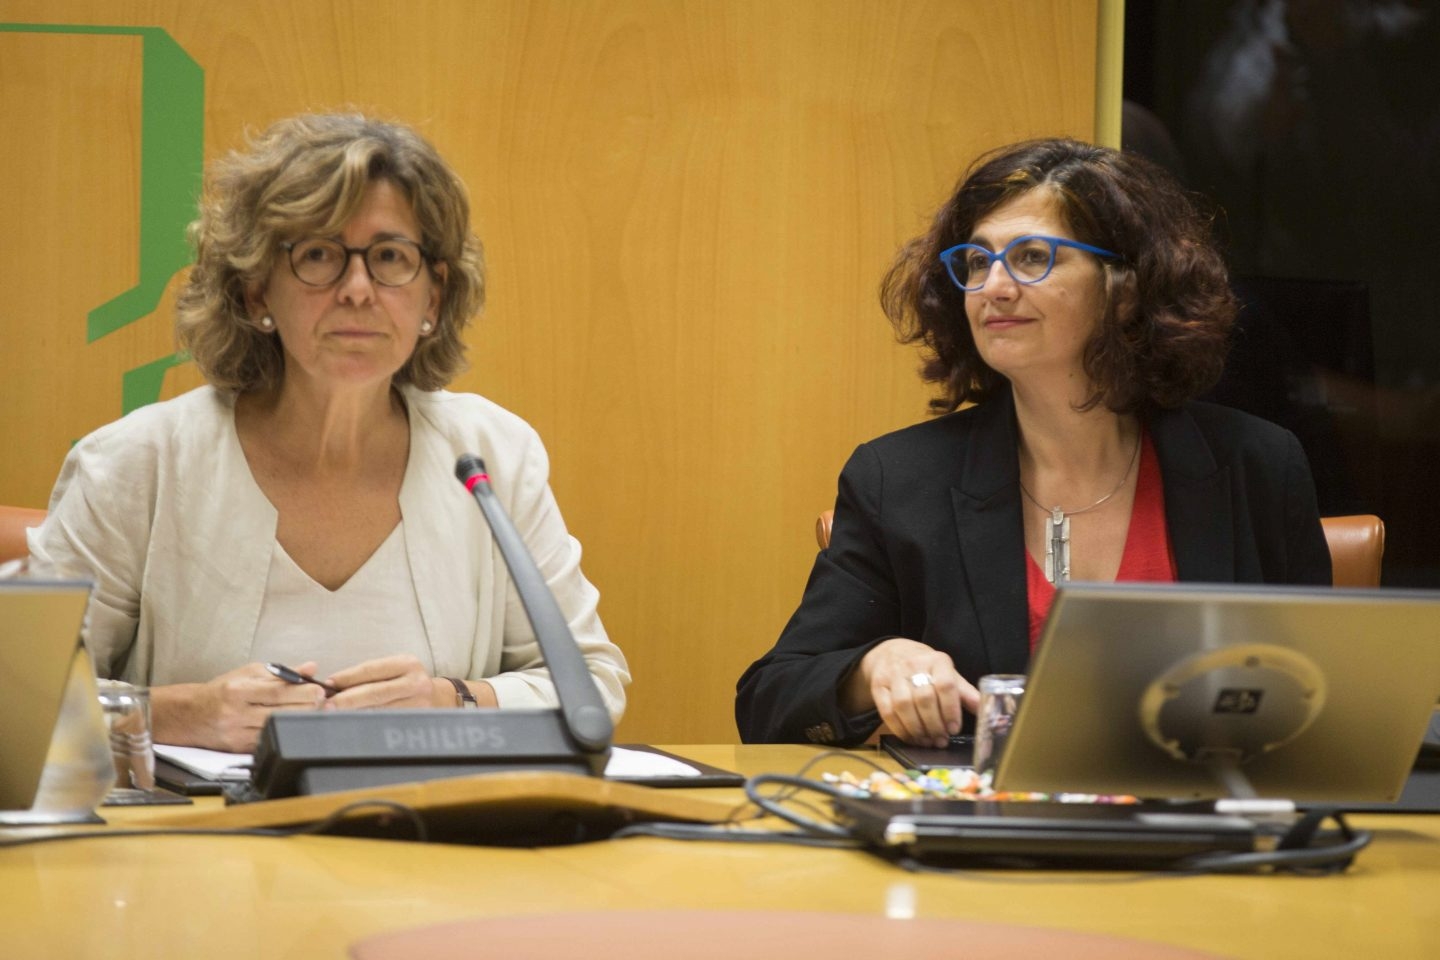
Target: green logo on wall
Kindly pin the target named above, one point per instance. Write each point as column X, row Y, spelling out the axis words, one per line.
column 172, row 148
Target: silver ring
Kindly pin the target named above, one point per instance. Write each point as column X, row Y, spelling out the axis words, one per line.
column 921, row 680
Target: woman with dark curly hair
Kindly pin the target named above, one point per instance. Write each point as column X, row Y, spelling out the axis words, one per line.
column 302, row 507
column 1070, row 294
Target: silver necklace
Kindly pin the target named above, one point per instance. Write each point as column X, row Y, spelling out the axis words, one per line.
column 1057, row 524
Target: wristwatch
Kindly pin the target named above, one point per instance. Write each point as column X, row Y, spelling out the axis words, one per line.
column 463, row 696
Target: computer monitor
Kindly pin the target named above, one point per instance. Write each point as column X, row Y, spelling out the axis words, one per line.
column 1197, row 691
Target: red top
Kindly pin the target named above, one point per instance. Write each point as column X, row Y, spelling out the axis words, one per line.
column 1147, row 554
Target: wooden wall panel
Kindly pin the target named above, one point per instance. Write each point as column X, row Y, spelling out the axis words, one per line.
column 687, row 208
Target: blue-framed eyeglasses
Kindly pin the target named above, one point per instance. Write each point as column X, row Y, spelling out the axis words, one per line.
column 1027, row 259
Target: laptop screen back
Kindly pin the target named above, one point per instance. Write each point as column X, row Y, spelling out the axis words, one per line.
column 1316, row 693
column 39, row 630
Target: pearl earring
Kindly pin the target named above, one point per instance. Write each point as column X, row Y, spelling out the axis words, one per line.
column 426, row 327
column 266, row 323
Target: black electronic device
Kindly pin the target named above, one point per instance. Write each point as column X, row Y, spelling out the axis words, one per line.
column 984, row 832
column 960, row 752
column 306, row 753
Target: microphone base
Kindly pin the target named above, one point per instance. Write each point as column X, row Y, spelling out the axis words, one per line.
column 326, row 779
column 324, row 752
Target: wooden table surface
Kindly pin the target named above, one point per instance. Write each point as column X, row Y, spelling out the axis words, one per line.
column 221, row 897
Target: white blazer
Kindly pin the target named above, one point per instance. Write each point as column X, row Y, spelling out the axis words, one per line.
column 161, row 510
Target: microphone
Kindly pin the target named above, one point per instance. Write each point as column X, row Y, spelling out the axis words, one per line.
column 580, row 702
column 307, row 753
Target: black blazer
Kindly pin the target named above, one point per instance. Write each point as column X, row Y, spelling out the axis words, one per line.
column 928, row 543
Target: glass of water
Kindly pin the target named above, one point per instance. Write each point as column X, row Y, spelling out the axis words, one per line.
column 127, row 719
column 1000, row 696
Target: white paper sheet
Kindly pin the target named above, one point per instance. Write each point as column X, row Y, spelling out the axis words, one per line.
column 218, row 765
column 210, row 764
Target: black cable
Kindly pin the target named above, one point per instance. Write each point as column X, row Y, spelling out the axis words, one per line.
column 422, row 834
column 1320, row 861
column 799, row 781
column 774, row 806
column 1295, row 853
column 812, row 832
column 726, row 833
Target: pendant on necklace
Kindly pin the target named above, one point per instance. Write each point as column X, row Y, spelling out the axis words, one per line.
column 1057, row 546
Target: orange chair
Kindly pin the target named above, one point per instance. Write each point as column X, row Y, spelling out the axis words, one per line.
column 822, row 528
column 13, row 521
column 1357, row 544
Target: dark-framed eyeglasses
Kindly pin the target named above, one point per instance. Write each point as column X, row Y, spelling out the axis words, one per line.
column 1028, row 259
column 392, row 262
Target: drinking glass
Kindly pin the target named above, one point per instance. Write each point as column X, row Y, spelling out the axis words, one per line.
column 1000, row 696
column 127, row 718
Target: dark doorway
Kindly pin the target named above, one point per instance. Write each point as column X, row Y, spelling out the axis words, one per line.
column 1314, row 127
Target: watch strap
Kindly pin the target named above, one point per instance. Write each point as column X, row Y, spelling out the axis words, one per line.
column 463, row 696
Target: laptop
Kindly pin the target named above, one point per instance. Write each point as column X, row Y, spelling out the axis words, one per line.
column 1188, row 691
column 1204, row 690
column 39, row 631
column 1044, row 834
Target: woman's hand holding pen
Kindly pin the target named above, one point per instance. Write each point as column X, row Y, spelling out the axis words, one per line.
column 227, row 712
column 398, row 681
column 915, row 688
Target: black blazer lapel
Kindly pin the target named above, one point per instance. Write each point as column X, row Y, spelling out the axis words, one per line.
column 1198, row 509
column 989, row 531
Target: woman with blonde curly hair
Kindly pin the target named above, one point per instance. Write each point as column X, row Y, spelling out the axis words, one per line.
column 1071, row 295
column 302, row 507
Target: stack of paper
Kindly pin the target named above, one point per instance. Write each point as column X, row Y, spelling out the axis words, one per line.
column 210, row 764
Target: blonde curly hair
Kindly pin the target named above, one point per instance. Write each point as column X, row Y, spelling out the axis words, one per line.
column 306, row 176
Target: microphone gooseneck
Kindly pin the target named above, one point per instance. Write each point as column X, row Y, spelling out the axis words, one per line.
column 582, row 709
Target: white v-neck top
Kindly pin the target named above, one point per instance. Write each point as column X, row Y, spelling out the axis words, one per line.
column 160, row 509
column 373, row 614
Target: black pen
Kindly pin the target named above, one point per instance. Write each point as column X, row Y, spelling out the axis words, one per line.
column 295, row 676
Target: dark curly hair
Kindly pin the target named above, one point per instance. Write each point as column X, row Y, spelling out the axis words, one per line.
column 1169, row 308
